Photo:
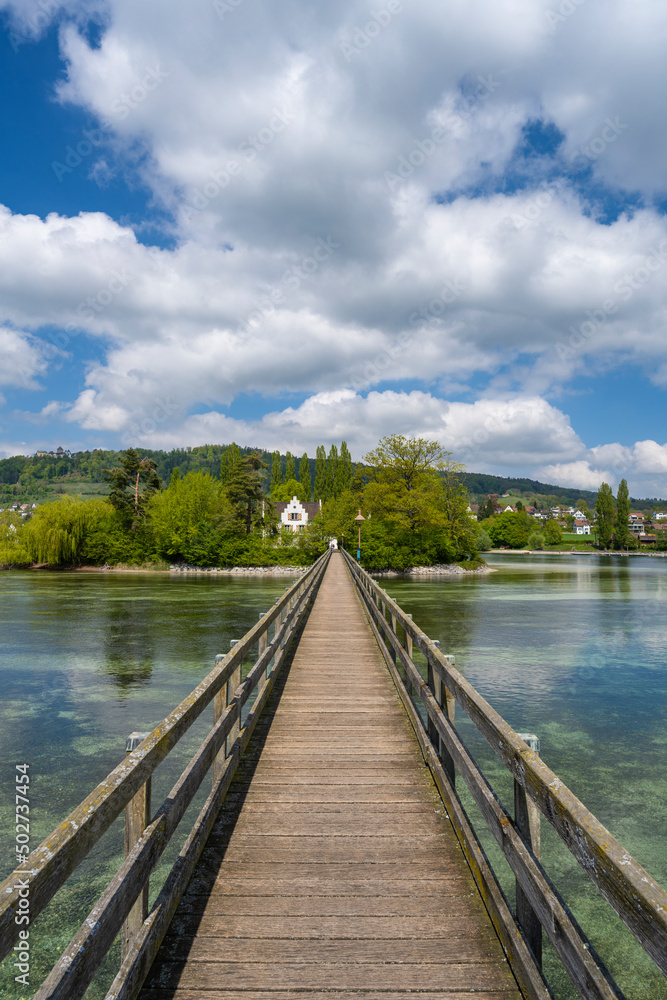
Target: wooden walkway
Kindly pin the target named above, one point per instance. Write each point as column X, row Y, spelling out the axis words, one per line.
column 332, row 870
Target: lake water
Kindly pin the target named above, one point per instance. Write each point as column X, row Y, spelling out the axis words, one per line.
column 571, row 648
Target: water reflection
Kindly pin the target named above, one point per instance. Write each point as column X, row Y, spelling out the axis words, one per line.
column 129, row 646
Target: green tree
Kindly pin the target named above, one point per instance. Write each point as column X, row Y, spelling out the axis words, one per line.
column 276, row 470
column 287, row 490
column 304, row 476
column 332, row 473
column 535, row 540
column 229, row 463
column 553, row 533
column 621, row 524
column 244, row 490
column 604, row 509
column 133, row 483
column 290, row 468
column 320, row 488
column 343, row 477
column 191, row 518
column 405, row 486
column 510, row 528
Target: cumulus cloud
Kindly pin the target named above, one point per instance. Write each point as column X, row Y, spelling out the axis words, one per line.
column 350, row 207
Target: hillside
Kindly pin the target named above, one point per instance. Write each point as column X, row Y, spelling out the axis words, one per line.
column 32, row 479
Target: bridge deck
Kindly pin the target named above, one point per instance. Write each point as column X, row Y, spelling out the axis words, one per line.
column 332, row 869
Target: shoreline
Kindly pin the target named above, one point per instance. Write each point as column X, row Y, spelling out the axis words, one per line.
column 573, row 552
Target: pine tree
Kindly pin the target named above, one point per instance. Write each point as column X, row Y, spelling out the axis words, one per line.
column 229, row 463
column 276, row 470
column 332, row 471
column 290, row 466
column 304, row 475
column 320, row 491
column 621, row 532
column 604, row 509
column 132, row 485
column 344, row 471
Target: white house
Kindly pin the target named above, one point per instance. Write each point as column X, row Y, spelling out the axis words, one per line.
column 581, row 527
column 295, row 515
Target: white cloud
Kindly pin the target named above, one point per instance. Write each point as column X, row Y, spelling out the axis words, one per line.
column 578, row 474
column 22, row 359
column 266, row 141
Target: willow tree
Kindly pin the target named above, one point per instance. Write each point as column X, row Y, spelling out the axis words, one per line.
column 56, row 532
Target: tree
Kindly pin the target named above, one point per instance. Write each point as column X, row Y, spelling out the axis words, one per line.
column 133, row 483
column 320, row 489
column 519, row 505
column 304, row 475
column 332, row 472
column 191, row 518
column 245, row 490
column 287, row 490
column 621, row 524
column 231, row 460
column 553, row 533
column 511, row 529
column 343, row 476
column 290, row 468
column 486, row 510
column 604, row 509
column 276, row 470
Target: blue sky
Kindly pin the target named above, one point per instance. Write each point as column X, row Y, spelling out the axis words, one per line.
column 288, row 227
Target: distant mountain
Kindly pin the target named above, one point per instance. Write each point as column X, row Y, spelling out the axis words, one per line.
column 31, row 478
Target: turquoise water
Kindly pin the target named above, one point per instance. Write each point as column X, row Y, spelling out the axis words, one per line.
column 572, row 648
column 86, row 659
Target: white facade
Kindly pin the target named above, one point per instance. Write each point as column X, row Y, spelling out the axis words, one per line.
column 295, row 515
column 582, row 529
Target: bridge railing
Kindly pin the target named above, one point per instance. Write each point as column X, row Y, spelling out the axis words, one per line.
column 637, row 899
column 123, row 904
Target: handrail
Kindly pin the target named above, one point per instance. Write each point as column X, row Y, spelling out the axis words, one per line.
column 51, row 863
column 639, row 901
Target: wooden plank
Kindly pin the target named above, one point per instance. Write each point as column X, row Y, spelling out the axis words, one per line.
column 360, row 928
column 471, row 977
column 366, row 994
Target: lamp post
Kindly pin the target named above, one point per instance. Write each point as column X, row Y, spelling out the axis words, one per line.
column 359, row 519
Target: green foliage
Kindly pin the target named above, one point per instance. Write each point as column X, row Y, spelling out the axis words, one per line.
column 304, row 476
column 289, row 489
column 290, row 467
column 12, row 550
column 332, row 473
column 320, row 487
column 229, row 463
column 553, row 533
column 69, row 532
column 191, row 519
column 483, row 539
column 510, row 529
column 276, row 470
column 343, row 476
column 535, row 540
column 604, row 509
column 133, row 483
column 621, row 524
column 244, row 490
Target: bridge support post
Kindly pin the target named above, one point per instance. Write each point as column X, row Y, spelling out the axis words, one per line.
column 263, row 643
column 527, row 821
column 137, row 818
column 447, row 702
column 232, row 685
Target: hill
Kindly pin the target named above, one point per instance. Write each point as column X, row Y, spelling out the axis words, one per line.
column 30, row 479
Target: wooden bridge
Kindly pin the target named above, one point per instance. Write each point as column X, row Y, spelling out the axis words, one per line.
column 333, row 855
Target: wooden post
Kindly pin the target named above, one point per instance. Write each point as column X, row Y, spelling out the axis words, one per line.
column 527, row 821
column 137, row 818
column 447, row 702
column 219, row 705
column 232, row 685
column 392, row 651
column 263, row 643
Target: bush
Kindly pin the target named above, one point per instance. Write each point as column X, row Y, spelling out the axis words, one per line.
column 535, row 540
column 484, row 543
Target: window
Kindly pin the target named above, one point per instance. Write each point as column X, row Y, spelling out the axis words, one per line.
column 294, row 517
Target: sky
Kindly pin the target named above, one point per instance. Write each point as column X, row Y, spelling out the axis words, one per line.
column 297, row 223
